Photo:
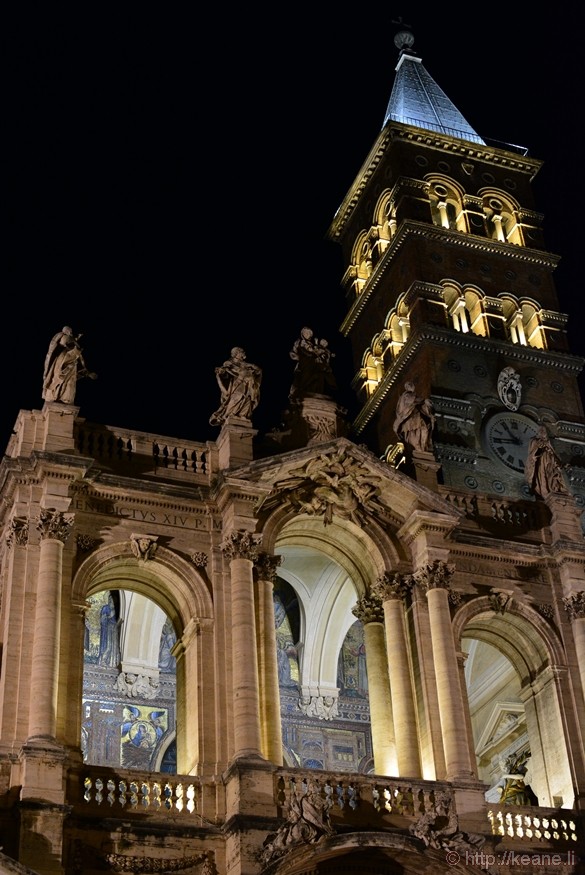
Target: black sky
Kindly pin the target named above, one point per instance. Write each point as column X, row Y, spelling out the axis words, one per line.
column 169, row 178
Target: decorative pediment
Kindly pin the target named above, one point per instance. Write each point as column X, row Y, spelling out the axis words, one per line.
column 343, row 481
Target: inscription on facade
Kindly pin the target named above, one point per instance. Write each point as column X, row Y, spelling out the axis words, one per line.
column 141, row 515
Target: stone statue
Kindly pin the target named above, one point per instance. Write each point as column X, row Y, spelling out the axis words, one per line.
column 64, row 365
column 414, row 420
column 239, row 383
column 517, row 789
column 543, row 469
column 313, row 374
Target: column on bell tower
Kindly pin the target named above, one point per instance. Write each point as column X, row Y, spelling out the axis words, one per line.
column 370, row 612
column 434, row 578
column 241, row 548
column 270, row 726
column 392, row 590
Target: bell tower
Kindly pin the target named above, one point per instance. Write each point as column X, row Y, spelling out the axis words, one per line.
column 449, row 287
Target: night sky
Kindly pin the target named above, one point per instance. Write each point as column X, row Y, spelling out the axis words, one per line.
column 169, row 179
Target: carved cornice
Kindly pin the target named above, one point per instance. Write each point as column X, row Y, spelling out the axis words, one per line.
column 465, row 149
column 429, row 334
column 444, row 237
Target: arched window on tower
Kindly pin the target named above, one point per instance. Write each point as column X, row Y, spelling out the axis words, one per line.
column 361, row 265
column 524, row 323
column 385, row 224
column 466, row 310
column 502, row 218
column 446, row 200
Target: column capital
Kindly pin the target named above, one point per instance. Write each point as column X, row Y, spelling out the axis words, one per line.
column 369, row 609
column 392, row 586
column 54, row 524
column 575, row 605
column 435, row 575
column 267, row 566
column 17, row 532
column 241, row 545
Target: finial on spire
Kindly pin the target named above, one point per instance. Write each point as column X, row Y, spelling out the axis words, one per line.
column 404, row 39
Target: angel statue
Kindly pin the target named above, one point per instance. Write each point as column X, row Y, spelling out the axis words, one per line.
column 64, row 365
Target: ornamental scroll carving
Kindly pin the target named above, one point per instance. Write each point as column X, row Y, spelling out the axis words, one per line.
column 307, row 821
column 392, row 586
column 54, row 524
column 369, row 609
column 136, row 686
column 332, row 484
column 143, row 546
column 199, row 559
column 201, row 864
column 439, row 828
column 500, row 600
column 435, row 575
column 267, row 566
column 322, row 707
column 17, row 533
column 575, row 605
column 241, row 545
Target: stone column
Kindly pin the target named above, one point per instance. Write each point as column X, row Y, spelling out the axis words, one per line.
column 392, row 589
column 271, row 725
column 54, row 528
column 575, row 608
column 241, row 548
column 371, row 613
column 434, row 578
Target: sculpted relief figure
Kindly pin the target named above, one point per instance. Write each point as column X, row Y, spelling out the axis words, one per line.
column 415, row 420
column 64, row 365
column 313, row 374
column 543, row 468
column 239, row 384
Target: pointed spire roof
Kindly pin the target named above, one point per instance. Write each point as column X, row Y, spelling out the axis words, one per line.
column 417, row 100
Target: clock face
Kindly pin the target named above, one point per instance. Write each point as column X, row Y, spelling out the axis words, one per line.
column 508, row 436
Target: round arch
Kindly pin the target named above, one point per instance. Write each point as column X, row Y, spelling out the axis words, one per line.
column 535, row 653
column 181, row 592
column 167, row 579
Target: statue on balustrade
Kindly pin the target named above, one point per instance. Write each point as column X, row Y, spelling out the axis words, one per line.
column 313, row 374
column 239, row 384
column 64, row 366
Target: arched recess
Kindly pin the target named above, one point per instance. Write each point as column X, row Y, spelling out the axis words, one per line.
column 515, row 695
column 502, row 217
column 181, row 593
column 326, row 717
column 447, row 198
column 466, row 308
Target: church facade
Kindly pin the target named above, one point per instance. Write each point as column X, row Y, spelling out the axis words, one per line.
column 339, row 647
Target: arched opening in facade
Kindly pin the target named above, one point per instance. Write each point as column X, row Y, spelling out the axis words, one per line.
column 516, row 704
column 164, row 618
column 322, row 668
column 323, row 678
column 129, row 683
